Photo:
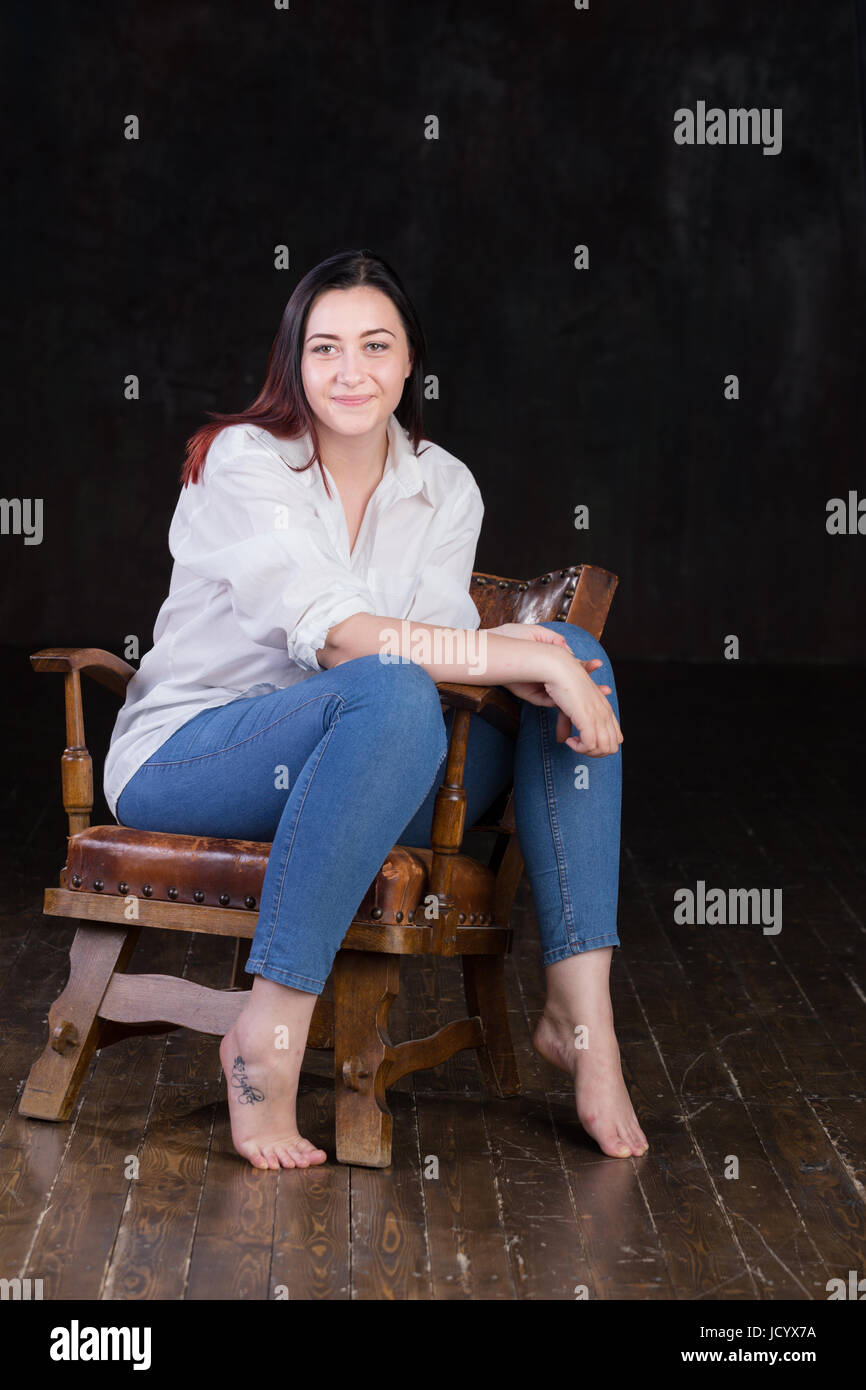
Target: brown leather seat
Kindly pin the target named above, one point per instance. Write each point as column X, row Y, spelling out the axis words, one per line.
column 116, row 860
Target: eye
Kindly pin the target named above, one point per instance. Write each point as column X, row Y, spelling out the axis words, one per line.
column 320, row 346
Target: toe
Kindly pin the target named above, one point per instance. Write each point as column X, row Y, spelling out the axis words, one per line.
column 311, row 1153
column 638, row 1138
column 254, row 1156
column 624, row 1145
column 285, row 1156
column 614, row 1145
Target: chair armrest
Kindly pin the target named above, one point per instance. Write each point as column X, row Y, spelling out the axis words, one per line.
column 101, row 666
column 493, row 702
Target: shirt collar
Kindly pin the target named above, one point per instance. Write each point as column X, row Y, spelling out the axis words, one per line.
column 401, row 463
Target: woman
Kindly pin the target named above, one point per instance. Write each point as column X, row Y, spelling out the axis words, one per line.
column 265, row 709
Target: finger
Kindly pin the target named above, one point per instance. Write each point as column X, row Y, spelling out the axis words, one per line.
column 590, row 734
column 586, row 750
column 607, row 743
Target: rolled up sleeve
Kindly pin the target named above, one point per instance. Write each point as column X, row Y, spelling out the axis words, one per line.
column 256, row 531
column 442, row 595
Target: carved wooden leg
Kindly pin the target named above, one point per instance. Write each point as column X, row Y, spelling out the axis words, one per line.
column 484, row 987
column 365, row 986
column 74, row 1028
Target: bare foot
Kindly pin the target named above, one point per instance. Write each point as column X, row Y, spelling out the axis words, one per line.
column 262, row 1078
column 576, row 1034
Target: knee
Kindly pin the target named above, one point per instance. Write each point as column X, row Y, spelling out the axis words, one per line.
column 407, row 704
column 582, row 643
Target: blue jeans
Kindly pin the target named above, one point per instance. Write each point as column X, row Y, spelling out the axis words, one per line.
column 339, row 768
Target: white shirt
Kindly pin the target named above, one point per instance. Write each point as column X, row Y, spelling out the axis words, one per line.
column 262, row 570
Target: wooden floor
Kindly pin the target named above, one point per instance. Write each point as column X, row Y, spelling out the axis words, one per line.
column 736, row 1045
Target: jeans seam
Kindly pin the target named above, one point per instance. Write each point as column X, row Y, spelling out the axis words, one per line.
column 296, row 974
column 430, row 785
column 230, row 747
column 556, row 831
column 590, row 943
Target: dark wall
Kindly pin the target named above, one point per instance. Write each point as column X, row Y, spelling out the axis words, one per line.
column 557, row 386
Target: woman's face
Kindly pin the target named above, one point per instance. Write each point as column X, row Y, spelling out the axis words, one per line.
column 354, row 346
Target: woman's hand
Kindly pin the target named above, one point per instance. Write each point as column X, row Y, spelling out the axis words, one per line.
column 533, row 691
column 580, row 701
column 585, row 705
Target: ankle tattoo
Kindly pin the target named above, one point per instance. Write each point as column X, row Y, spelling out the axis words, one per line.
column 248, row 1094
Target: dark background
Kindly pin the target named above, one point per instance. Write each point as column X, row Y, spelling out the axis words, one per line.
column 557, row 386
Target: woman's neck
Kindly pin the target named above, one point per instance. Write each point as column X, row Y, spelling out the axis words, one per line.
column 356, row 465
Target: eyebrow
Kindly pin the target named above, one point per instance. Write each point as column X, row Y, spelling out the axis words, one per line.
column 365, row 334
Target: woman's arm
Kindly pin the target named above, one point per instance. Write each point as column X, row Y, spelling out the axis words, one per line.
column 475, row 657
column 485, row 657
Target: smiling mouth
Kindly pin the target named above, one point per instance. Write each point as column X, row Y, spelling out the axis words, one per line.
column 351, row 400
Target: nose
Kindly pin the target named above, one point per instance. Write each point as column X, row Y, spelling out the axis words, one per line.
column 352, row 368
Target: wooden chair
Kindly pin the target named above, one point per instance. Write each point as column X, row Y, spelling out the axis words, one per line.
column 439, row 901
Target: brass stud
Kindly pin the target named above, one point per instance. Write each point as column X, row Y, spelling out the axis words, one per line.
column 98, row 885
column 147, row 890
column 410, row 916
column 123, row 888
column 198, row 896
column 472, row 918
column 172, row 893
column 76, row 880
column 461, row 917
column 249, row 900
column 376, row 913
column 398, row 916
column 224, row 899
